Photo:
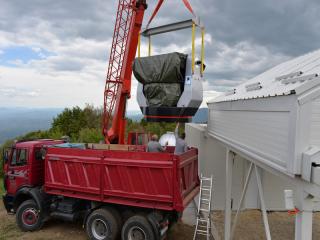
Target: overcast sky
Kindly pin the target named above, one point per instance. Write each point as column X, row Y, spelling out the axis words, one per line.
column 54, row 53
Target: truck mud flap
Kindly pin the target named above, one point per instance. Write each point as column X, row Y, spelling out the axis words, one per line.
column 8, row 203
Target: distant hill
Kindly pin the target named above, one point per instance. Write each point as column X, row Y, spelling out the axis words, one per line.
column 134, row 115
column 18, row 121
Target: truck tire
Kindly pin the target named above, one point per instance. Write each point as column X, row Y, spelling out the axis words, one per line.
column 28, row 216
column 137, row 228
column 102, row 225
column 116, row 215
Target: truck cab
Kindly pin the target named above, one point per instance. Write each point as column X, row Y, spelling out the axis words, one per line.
column 24, row 170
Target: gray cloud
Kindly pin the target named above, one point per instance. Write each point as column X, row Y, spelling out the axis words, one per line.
column 286, row 26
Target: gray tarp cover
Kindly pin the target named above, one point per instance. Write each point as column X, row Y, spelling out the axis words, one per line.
column 162, row 77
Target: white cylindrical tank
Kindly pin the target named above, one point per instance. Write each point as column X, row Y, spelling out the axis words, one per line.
column 168, row 137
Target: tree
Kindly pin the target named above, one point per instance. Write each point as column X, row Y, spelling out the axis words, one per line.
column 71, row 121
column 90, row 135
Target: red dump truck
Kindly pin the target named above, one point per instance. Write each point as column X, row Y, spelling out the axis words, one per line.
column 113, row 189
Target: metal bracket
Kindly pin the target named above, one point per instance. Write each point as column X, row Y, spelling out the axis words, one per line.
column 171, row 27
column 309, row 158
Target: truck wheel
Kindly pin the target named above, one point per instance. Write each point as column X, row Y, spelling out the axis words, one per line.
column 28, row 216
column 116, row 215
column 102, row 225
column 137, row 228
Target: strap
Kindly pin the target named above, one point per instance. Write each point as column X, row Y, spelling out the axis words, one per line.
column 186, row 3
column 155, row 12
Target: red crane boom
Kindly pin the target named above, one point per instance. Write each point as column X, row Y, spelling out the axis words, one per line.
column 118, row 82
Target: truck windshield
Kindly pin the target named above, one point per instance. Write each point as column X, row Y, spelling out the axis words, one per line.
column 19, row 157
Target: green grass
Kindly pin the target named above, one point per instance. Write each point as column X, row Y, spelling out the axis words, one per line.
column 1, row 187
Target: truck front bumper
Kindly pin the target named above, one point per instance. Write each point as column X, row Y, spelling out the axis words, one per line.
column 8, row 203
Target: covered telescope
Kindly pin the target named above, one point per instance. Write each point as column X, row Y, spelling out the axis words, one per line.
column 170, row 85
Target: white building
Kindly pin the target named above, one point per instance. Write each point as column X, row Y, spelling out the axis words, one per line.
column 273, row 122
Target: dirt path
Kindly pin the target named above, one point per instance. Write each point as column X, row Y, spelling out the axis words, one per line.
column 55, row 229
column 250, row 227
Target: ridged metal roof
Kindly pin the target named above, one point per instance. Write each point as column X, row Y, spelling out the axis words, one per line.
column 292, row 77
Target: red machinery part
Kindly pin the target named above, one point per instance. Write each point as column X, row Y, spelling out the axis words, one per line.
column 118, row 82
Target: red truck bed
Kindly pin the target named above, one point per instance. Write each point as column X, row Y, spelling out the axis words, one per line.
column 133, row 177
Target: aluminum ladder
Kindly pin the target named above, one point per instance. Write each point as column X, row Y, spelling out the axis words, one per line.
column 203, row 225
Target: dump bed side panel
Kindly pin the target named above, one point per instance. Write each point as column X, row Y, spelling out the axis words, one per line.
column 130, row 178
column 187, row 167
column 152, row 180
column 143, row 178
column 73, row 172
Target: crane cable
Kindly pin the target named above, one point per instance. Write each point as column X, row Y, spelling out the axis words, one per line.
column 160, row 2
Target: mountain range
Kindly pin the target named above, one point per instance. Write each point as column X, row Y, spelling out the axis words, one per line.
column 18, row 121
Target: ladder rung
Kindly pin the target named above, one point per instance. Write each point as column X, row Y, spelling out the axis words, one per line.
column 204, row 210
column 201, row 226
column 206, row 221
column 205, row 226
column 205, row 199
column 206, row 178
column 203, row 220
column 205, row 205
column 202, row 232
column 205, row 189
column 206, row 195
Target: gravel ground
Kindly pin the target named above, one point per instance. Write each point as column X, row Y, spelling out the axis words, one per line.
column 54, row 229
column 249, row 227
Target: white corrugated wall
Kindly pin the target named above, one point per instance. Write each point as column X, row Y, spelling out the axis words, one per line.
column 212, row 161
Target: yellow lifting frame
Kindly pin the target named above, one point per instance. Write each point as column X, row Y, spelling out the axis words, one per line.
column 193, row 46
column 202, row 50
column 174, row 27
column 139, row 45
column 149, row 46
